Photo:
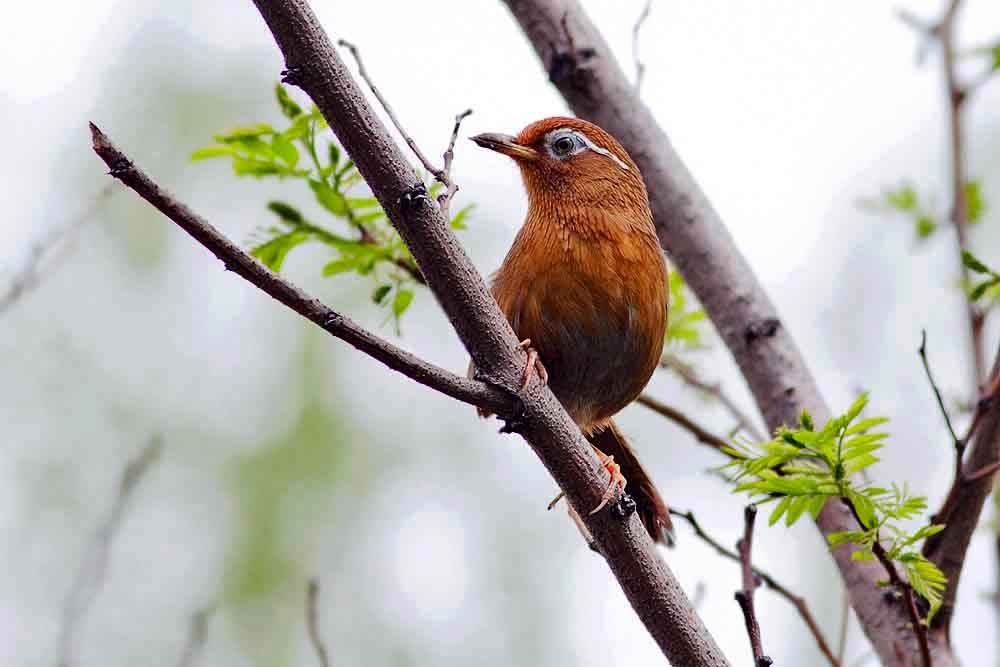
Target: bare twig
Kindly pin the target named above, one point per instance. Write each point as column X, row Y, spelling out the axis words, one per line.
column 640, row 68
column 241, row 263
column 441, row 174
column 715, row 391
column 745, row 595
column 701, row 434
column 29, row 275
column 197, row 636
column 91, row 576
column 312, row 623
column 773, row 584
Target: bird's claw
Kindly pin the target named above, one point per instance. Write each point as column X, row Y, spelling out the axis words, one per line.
column 534, row 365
column 409, row 199
column 293, row 75
column 616, row 486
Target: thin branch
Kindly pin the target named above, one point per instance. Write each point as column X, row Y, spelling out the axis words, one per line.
column 312, row 623
column 640, row 68
column 773, row 584
column 956, row 96
column 91, row 576
column 241, row 263
column 715, row 391
column 745, row 596
column 444, row 199
column 29, row 275
column 959, row 442
column 441, row 174
column 904, row 587
column 197, row 636
column 701, row 434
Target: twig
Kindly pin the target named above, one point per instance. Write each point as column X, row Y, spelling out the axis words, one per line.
column 241, row 263
column 441, row 174
column 700, row 433
column 900, row 585
column 444, row 199
column 640, row 68
column 714, row 390
column 312, row 623
column 773, row 584
column 29, row 276
column 197, row 636
column 957, row 95
column 745, row 596
column 93, row 568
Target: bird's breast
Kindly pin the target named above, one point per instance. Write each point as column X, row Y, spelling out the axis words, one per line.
column 594, row 308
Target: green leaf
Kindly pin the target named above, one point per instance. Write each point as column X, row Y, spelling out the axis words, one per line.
column 903, row 198
column 334, row 152
column 458, row 222
column 239, row 134
column 250, row 167
column 287, row 104
column 286, row 212
column 837, row 539
column 865, row 508
column 979, row 290
column 285, row 150
column 975, row 203
column 209, row 152
column 362, row 202
column 272, row 254
column 339, row 266
column 925, row 225
column 404, row 298
column 974, row 264
column 378, row 296
column 328, row 198
column 780, row 509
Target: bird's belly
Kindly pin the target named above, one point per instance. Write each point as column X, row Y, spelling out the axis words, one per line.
column 599, row 354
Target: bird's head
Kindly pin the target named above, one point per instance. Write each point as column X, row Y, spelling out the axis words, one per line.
column 568, row 161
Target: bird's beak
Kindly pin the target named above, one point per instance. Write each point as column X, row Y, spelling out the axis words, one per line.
column 504, row 143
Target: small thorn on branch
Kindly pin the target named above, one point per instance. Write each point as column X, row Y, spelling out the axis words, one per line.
column 745, row 596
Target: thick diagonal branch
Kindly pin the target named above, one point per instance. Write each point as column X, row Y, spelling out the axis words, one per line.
column 581, row 65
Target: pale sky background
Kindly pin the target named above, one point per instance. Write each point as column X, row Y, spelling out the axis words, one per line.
column 433, row 543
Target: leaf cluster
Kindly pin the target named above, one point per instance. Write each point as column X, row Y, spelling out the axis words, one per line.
column 355, row 227
column 920, row 211
column 991, row 282
column 802, row 468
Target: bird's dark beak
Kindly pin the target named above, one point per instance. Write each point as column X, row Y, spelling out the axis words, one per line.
column 504, row 143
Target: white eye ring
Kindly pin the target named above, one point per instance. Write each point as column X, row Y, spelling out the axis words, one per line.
column 580, row 143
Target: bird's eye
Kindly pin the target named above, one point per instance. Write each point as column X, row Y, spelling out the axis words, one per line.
column 564, row 145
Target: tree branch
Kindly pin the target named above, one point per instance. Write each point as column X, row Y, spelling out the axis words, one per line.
column 314, row 65
column 676, row 416
column 197, row 636
column 242, row 264
column 796, row 601
column 312, row 624
column 745, row 596
column 581, row 65
column 93, row 568
column 716, row 392
column 640, row 69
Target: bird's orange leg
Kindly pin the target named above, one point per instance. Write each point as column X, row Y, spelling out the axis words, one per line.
column 618, row 480
column 534, row 364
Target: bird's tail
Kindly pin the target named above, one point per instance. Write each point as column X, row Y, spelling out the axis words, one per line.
column 650, row 506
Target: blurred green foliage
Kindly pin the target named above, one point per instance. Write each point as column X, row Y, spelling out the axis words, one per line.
column 685, row 324
column 801, row 469
column 988, row 285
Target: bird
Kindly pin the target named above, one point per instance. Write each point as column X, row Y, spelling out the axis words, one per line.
column 584, row 286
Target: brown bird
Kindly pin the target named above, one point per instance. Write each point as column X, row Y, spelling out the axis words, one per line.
column 585, row 287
